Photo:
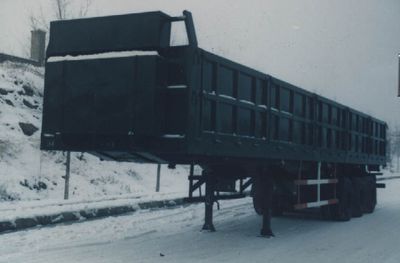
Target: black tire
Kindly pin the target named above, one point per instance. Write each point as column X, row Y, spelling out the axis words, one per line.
column 326, row 212
column 364, row 195
column 357, row 196
column 258, row 194
column 342, row 211
column 369, row 197
column 277, row 205
column 257, row 204
column 257, row 199
column 277, row 209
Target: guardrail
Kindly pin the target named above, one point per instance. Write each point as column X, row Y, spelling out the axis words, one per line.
column 6, row 57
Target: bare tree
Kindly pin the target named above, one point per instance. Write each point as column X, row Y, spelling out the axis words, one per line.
column 67, row 9
column 84, row 8
column 61, row 10
column 39, row 21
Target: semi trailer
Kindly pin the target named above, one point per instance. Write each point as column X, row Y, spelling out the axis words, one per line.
column 116, row 87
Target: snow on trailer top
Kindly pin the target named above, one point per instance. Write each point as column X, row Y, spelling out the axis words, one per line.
column 105, row 55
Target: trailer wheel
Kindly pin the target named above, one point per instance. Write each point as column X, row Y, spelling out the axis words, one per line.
column 276, row 210
column 357, row 196
column 342, row 210
column 326, row 212
column 258, row 191
column 364, row 196
column 369, row 197
column 257, row 199
column 277, row 205
column 257, row 204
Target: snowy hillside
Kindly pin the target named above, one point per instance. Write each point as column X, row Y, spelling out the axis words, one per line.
column 26, row 173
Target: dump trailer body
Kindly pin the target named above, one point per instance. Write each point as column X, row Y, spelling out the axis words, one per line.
column 256, row 115
column 182, row 104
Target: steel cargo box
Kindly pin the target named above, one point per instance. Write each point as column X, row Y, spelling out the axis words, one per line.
column 186, row 105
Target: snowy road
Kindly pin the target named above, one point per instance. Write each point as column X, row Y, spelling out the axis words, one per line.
column 173, row 236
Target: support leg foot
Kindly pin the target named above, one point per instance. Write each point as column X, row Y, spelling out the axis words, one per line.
column 266, row 230
column 266, row 233
column 209, row 202
column 208, row 227
column 265, row 190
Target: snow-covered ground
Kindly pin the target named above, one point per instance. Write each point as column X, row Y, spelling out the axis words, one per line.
column 172, row 235
column 26, row 173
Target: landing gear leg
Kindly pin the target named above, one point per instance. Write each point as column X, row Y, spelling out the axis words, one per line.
column 267, row 187
column 209, row 201
column 266, row 230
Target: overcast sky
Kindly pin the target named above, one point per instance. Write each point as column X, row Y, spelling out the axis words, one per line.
column 342, row 49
